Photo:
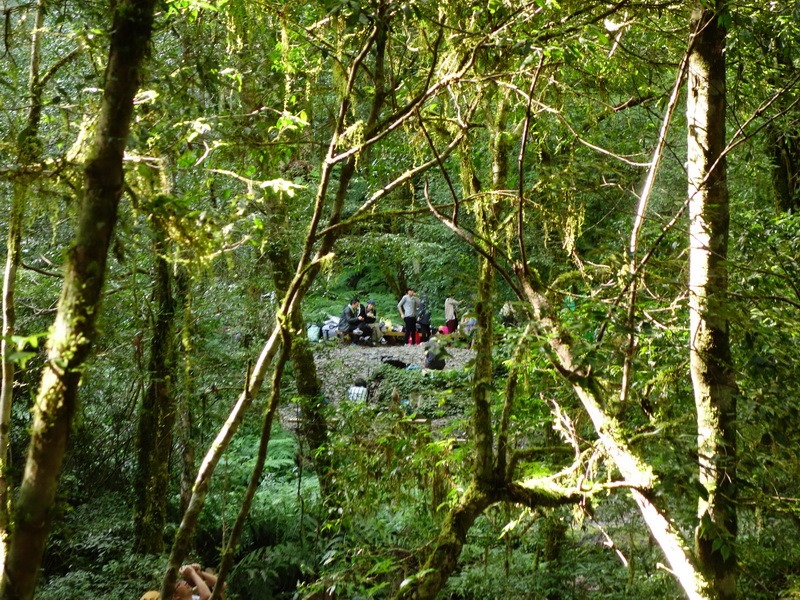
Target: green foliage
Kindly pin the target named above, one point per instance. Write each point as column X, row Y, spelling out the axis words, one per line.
column 767, row 559
column 225, row 156
column 278, row 548
column 125, row 577
column 429, row 394
column 193, row 8
column 273, row 571
column 89, row 554
column 388, row 468
column 20, row 355
column 585, row 569
column 276, row 514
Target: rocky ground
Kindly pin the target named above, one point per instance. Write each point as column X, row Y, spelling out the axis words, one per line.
column 339, row 366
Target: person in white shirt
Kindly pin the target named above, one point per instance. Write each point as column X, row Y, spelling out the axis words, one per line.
column 451, row 314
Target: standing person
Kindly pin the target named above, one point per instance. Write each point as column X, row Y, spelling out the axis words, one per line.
column 451, row 314
column 352, row 322
column 370, row 315
column 424, row 318
column 408, row 308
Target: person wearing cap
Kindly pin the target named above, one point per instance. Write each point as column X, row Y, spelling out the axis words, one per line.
column 370, row 314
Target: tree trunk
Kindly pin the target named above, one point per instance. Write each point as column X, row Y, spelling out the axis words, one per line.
column 157, row 414
column 313, row 425
column 183, row 297
column 785, row 151
column 442, row 559
column 73, row 332
column 710, row 356
column 6, row 393
column 28, row 153
column 783, row 143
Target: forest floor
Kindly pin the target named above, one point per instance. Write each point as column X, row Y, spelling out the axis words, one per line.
column 338, row 367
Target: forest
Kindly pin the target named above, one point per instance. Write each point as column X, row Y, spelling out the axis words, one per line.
column 189, row 187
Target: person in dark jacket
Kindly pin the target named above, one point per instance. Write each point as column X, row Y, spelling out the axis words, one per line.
column 351, row 321
column 434, row 356
column 424, row 318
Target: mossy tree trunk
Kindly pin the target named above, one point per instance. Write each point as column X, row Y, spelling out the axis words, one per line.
column 486, row 481
column 185, row 430
column 481, row 494
column 29, row 151
column 313, row 424
column 785, row 151
column 712, row 373
column 782, row 139
column 157, row 413
column 7, row 392
column 74, row 331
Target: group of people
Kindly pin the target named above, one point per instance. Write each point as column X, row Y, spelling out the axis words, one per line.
column 361, row 322
column 194, row 584
column 417, row 311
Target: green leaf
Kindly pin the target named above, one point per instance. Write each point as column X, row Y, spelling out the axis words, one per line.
column 21, row 358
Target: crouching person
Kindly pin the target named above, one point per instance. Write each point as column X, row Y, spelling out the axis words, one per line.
column 434, row 356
